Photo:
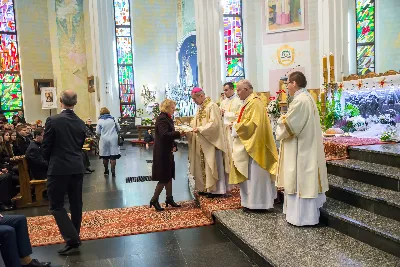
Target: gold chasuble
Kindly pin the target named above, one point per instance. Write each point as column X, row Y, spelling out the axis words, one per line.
column 204, row 144
column 254, row 140
column 302, row 167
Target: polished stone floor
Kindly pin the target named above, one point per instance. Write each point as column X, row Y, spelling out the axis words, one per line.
column 203, row 246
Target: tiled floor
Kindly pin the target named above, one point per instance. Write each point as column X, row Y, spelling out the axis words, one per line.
column 204, row 246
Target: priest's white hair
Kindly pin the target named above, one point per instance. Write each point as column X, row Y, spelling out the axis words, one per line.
column 246, row 83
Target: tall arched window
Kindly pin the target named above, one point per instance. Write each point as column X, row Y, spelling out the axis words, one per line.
column 365, row 38
column 10, row 76
column 123, row 36
column 233, row 41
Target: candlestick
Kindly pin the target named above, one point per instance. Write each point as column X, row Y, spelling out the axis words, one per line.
column 325, row 68
column 332, row 67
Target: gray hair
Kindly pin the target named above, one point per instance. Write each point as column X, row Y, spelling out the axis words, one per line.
column 246, row 83
column 69, row 98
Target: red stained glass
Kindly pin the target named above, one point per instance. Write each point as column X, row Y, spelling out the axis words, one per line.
column 9, row 52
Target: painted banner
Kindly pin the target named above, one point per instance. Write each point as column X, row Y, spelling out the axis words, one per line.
column 48, row 97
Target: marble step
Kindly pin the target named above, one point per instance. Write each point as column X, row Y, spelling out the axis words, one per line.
column 386, row 154
column 270, row 241
column 375, row 230
column 374, row 199
column 370, row 173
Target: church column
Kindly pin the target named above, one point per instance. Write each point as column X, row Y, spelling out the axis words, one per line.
column 333, row 38
column 209, row 25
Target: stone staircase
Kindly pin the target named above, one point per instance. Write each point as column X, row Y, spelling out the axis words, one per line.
column 364, row 196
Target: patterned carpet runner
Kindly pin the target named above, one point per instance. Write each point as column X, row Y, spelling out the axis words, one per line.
column 101, row 224
column 337, row 147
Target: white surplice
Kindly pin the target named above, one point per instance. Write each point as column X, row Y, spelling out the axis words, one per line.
column 302, row 168
column 258, row 191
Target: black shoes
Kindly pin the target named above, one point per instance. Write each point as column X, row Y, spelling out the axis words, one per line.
column 4, row 207
column 170, row 201
column 156, row 205
column 106, row 172
column 69, row 249
column 36, row 263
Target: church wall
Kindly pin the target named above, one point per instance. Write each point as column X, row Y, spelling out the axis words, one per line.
column 387, row 35
column 35, row 53
column 155, row 40
column 262, row 64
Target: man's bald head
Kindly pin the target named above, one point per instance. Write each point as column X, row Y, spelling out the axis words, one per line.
column 68, row 98
column 244, row 89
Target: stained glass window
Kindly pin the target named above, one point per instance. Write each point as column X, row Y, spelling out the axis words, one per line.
column 10, row 78
column 123, row 36
column 365, row 20
column 233, row 41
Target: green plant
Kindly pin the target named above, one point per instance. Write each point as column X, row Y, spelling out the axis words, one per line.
column 351, row 110
column 147, row 121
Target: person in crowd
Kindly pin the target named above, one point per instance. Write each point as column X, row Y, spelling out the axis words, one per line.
column 108, row 130
column 15, row 245
column 7, row 144
column 163, row 169
column 254, row 152
column 90, row 130
column 13, row 137
column 15, row 120
column 208, row 152
column 21, row 118
column 22, row 141
column 63, row 140
column 148, row 138
column 39, row 124
column 37, row 164
column 302, row 168
column 30, row 130
column 229, row 109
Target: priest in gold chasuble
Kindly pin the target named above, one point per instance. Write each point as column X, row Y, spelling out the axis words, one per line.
column 302, row 167
column 230, row 107
column 208, row 158
column 254, row 152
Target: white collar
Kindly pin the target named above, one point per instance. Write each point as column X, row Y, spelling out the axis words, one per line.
column 232, row 96
column 301, row 90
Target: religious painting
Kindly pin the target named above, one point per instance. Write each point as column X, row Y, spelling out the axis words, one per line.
column 39, row 83
column 284, row 15
column 91, row 88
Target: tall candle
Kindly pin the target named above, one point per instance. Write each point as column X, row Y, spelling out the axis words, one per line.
column 332, row 67
column 325, row 68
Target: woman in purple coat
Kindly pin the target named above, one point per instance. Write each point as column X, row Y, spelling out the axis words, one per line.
column 163, row 158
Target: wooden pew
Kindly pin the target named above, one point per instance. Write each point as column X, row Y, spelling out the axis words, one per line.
column 24, row 198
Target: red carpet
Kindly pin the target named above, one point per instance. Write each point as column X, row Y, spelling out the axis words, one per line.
column 209, row 205
column 120, row 222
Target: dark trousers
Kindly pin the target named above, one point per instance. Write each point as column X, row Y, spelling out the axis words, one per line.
column 14, row 239
column 85, row 158
column 6, row 188
column 57, row 186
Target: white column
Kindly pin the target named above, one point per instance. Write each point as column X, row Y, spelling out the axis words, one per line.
column 209, row 25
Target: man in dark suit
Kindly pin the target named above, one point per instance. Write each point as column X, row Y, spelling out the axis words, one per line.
column 37, row 164
column 64, row 137
column 23, row 141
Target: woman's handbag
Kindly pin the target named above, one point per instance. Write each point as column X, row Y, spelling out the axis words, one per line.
column 121, row 139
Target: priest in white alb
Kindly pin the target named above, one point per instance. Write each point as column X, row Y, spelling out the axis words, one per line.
column 230, row 110
column 254, row 152
column 208, row 158
column 302, row 168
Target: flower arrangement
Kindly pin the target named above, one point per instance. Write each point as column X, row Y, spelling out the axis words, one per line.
column 391, row 134
column 273, row 108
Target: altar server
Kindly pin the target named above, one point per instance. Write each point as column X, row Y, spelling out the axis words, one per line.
column 302, row 167
column 229, row 108
column 254, row 152
column 208, row 156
